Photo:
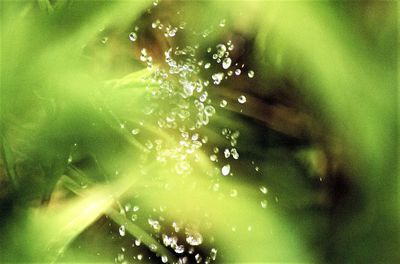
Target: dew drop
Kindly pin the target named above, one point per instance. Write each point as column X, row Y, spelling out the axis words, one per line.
column 264, row 204
column 227, row 153
column 104, row 40
column 122, row 230
column 154, row 224
column 176, row 227
column 132, row 36
column 221, row 49
column 179, row 249
column 207, row 65
column 223, row 103
column 213, row 254
column 226, row 63
column 198, row 258
column 135, row 131
column 209, row 110
column 194, row 239
column 217, row 77
column 234, row 153
column 250, row 74
column 242, row 99
column 134, row 217
column 153, row 247
column 226, row 169
column 238, row 71
column 263, row 189
column 222, row 23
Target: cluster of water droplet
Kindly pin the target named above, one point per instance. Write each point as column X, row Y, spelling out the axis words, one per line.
column 180, row 102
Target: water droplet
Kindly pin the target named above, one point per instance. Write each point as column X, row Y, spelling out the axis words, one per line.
column 222, row 23
column 213, row 157
column 154, row 224
column 135, row 131
column 263, row 189
column 227, row 153
column 132, row 36
column 233, row 193
column 134, row 217
column 209, row 110
column 139, row 256
column 179, row 249
column 198, row 258
column 207, row 65
column 104, row 40
column 238, row 71
column 250, row 74
column 194, row 238
column 234, row 153
column 138, row 242
column 155, row 24
column 164, row 259
column 223, row 103
column 213, row 253
column 203, row 97
column 264, row 203
column 226, row 63
column 122, row 230
column 176, row 227
column 191, row 250
column 242, row 99
column 120, row 257
column 217, row 77
column 221, row 49
column 226, row 169
column 153, row 247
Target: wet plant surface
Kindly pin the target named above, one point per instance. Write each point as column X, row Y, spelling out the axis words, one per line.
column 198, row 132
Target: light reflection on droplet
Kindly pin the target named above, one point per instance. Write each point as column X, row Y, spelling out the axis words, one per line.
column 122, row 230
column 242, row 99
column 250, row 74
column 135, row 131
column 264, row 203
column 223, row 103
column 263, row 189
column 226, row 169
column 226, row 63
column 132, row 36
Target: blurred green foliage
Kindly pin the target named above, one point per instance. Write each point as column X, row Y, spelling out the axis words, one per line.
column 70, row 78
